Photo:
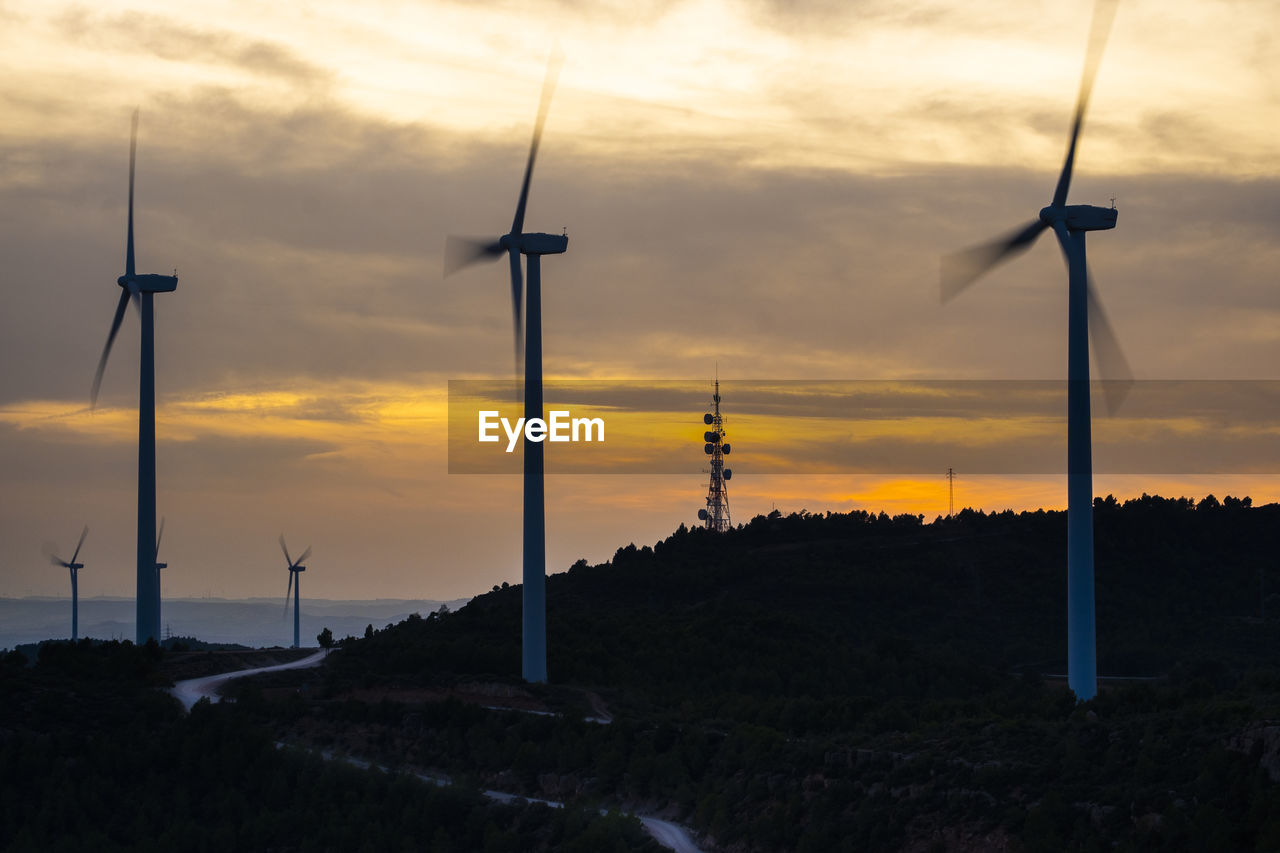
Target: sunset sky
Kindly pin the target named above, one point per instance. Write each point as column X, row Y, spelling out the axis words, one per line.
column 763, row 186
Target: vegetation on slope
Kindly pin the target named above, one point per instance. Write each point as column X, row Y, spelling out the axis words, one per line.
column 96, row 758
column 851, row 680
column 808, row 682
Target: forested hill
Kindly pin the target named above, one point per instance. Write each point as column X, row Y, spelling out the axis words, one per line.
column 838, row 682
column 870, row 607
column 861, row 682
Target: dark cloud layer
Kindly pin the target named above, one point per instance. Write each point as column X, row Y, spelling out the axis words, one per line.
column 311, row 244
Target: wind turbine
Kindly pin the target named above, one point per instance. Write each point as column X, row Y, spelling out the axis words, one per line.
column 1070, row 223
column 74, row 568
column 295, row 566
column 461, row 252
column 140, row 287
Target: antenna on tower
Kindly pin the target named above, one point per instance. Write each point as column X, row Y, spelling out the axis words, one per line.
column 715, row 516
column 951, row 493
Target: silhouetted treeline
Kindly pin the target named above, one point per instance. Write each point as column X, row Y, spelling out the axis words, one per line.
column 859, row 608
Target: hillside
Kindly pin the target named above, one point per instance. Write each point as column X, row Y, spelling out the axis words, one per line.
column 813, row 605
column 804, row 682
column 812, row 681
column 97, row 758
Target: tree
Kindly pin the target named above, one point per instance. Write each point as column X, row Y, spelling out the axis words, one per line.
column 325, row 638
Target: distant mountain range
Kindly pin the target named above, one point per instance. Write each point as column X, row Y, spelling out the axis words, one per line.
column 253, row 622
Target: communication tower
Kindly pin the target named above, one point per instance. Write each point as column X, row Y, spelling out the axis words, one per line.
column 716, row 514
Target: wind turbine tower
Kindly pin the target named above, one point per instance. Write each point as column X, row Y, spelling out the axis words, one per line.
column 461, row 252
column 1070, row 224
column 73, row 567
column 140, row 287
column 715, row 516
column 295, row 584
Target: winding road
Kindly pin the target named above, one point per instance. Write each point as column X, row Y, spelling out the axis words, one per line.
column 192, row 690
column 670, row 834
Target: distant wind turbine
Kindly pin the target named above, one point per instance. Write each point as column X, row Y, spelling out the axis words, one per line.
column 73, row 567
column 461, row 252
column 1070, row 223
column 159, row 566
column 295, row 584
column 140, row 287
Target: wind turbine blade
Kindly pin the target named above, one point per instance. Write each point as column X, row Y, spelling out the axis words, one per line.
column 963, row 268
column 517, row 295
column 548, row 89
column 303, row 556
column 106, row 350
column 1104, row 12
column 58, row 561
column 83, row 534
column 1113, row 367
column 288, row 593
column 133, row 156
column 461, row 252
column 285, row 548
column 159, row 536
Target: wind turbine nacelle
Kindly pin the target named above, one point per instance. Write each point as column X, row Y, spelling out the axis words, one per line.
column 299, row 568
column 537, row 244
column 148, row 283
column 161, row 566
column 1081, row 217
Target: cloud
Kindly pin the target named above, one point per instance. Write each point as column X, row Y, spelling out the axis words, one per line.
column 325, row 263
column 841, row 20
column 627, row 13
column 168, row 39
